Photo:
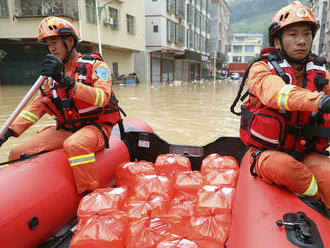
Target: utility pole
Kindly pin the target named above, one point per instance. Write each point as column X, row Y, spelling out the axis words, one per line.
column 214, row 65
column 98, row 16
column 98, row 26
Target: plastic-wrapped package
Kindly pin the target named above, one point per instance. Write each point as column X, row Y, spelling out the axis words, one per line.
column 216, row 162
column 166, row 164
column 147, row 185
column 101, row 230
column 103, row 200
column 213, row 199
column 176, row 241
column 226, row 178
column 188, row 182
column 127, row 172
column 146, row 232
column 140, row 208
column 213, row 226
column 182, row 205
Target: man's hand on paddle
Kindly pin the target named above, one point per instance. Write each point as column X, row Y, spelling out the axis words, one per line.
column 6, row 136
column 53, row 67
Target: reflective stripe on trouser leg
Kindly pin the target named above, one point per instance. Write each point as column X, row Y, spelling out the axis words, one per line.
column 85, row 172
column 80, row 148
column 320, row 165
column 83, row 159
column 312, row 189
column 282, row 169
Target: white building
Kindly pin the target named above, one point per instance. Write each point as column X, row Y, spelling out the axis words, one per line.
column 320, row 10
column 122, row 29
column 177, row 41
column 245, row 47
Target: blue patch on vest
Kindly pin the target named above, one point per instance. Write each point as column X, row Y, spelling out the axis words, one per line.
column 103, row 73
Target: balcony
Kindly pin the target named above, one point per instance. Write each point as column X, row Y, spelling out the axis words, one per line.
column 40, row 8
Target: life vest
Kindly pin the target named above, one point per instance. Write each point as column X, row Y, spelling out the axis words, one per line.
column 295, row 132
column 72, row 114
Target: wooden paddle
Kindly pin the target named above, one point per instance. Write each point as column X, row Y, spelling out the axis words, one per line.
column 22, row 104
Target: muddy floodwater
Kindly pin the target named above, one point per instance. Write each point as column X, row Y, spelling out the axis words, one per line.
column 186, row 113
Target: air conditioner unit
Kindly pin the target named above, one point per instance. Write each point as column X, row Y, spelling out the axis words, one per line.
column 108, row 20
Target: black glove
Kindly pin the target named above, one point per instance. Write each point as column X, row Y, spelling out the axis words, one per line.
column 53, row 67
column 5, row 137
column 324, row 104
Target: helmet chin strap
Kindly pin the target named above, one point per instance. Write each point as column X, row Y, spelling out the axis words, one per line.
column 290, row 59
column 68, row 53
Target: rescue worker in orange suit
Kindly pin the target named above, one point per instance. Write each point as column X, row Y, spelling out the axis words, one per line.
column 290, row 85
column 78, row 95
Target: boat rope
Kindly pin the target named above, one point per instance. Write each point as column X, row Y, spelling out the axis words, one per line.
column 23, row 157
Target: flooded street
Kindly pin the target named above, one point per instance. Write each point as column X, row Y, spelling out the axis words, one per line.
column 190, row 114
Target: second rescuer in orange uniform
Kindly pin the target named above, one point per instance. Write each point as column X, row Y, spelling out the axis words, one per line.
column 78, row 95
column 290, row 156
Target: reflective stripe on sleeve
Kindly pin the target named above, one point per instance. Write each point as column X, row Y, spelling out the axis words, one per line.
column 99, row 98
column 29, row 116
column 283, row 95
column 312, row 189
column 82, row 159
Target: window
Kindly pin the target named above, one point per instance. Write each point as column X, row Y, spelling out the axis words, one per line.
column 190, row 38
column 171, row 31
column 171, row 6
column 130, row 24
column 239, row 39
column 220, row 46
column 190, row 13
column 237, row 59
column 248, row 59
column 196, row 41
column 155, row 28
column 90, row 11
column 237, row 49
column 4, row 9
column 181, row 11
column 115, row 70
column 180, row 34
column 113, row 13
column 249, row 49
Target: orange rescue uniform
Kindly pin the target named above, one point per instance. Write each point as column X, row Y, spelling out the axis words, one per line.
column 79, row 146
column 310, row 177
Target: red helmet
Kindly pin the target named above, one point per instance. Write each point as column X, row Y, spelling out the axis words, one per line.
column 293, row 13
column 54, row 26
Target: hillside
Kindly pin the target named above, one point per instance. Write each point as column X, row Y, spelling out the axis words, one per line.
column 254, row 16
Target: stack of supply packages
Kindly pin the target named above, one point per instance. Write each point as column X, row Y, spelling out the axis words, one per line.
column 161, row 205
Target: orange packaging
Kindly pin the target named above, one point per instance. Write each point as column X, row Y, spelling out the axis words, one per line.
column 102, row 200
column 216, row 162
column 213, row 199
column 127, row 172
column 188, row 182
column 146, row 232
column 214, row 226
column 147, row 185
column 101, row 230
column 171, row 163
column 227, row 178
column 140, row 208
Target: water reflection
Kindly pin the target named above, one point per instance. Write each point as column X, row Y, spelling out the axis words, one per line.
column 193, row 114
